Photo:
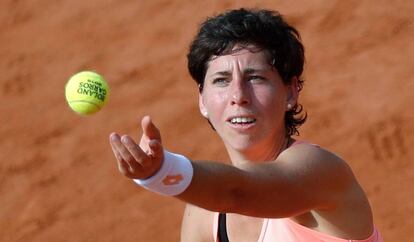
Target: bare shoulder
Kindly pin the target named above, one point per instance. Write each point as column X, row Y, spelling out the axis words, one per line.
column 311, row 153
column 325, row 170
column 347, row 204
column 317, row 159
column 197, row 224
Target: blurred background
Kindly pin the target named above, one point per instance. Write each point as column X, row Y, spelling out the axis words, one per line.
column 58, row 178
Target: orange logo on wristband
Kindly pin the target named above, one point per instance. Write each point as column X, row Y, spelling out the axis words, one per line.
column 172, row 180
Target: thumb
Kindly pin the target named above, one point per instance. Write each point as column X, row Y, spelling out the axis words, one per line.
column 157, row 151
column 149, row 129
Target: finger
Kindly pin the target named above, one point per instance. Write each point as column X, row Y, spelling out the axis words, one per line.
column 123, row 166
column 139, row 155
column 135, row 167
column 127, row 170
column 124, row 153
column 157, row 151
column 112, row 138
column 142, row 158
column 149, row 129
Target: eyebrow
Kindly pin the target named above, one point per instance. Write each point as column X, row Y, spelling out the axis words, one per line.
column 246, row 71
column 252, row 70
column 221, row 73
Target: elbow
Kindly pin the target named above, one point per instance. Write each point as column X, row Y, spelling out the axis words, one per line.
column 235, row 199
column 241, row 194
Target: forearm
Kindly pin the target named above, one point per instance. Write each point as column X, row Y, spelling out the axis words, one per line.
column 259, row 190
column 215, row 186
column 252, row 190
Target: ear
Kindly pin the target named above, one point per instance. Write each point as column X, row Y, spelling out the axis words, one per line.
column 292, row 92
column 201, row 106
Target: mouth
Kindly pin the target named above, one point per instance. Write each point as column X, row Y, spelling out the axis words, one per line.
column 241, row 120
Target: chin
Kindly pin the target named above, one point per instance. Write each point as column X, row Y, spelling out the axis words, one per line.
column 241, row 144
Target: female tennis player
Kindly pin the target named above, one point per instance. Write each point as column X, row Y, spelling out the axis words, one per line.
column 248, row 66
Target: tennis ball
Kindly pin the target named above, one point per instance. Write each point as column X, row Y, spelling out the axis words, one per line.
column 86, row 92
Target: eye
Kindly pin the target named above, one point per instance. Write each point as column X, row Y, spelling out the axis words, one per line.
column 256, row 78
column 221, row 81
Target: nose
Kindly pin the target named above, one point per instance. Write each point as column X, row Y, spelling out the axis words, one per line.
column 239, row 93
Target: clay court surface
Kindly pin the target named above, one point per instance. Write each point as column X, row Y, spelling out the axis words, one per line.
column 58, row 178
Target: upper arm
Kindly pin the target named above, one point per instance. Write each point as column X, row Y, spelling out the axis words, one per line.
column 197, row 225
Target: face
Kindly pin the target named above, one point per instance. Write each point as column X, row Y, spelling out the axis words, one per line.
column 245, row 100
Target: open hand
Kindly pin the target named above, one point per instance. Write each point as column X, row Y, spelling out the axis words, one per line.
column 139, row 161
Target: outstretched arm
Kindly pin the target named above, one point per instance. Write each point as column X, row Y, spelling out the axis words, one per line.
column 303, row 178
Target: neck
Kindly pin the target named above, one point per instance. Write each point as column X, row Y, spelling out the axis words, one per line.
column 260, row 153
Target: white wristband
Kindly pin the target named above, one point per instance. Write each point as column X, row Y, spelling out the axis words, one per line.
column 173, row 177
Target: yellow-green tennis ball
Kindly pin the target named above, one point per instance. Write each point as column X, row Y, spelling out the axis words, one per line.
column 86, row 92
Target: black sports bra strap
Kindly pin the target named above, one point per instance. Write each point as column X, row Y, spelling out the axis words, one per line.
column 222, row 228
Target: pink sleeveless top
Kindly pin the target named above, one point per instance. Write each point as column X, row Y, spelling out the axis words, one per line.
column 286, row 230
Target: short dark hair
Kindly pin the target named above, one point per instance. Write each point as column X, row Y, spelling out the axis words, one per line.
column 265, row 29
